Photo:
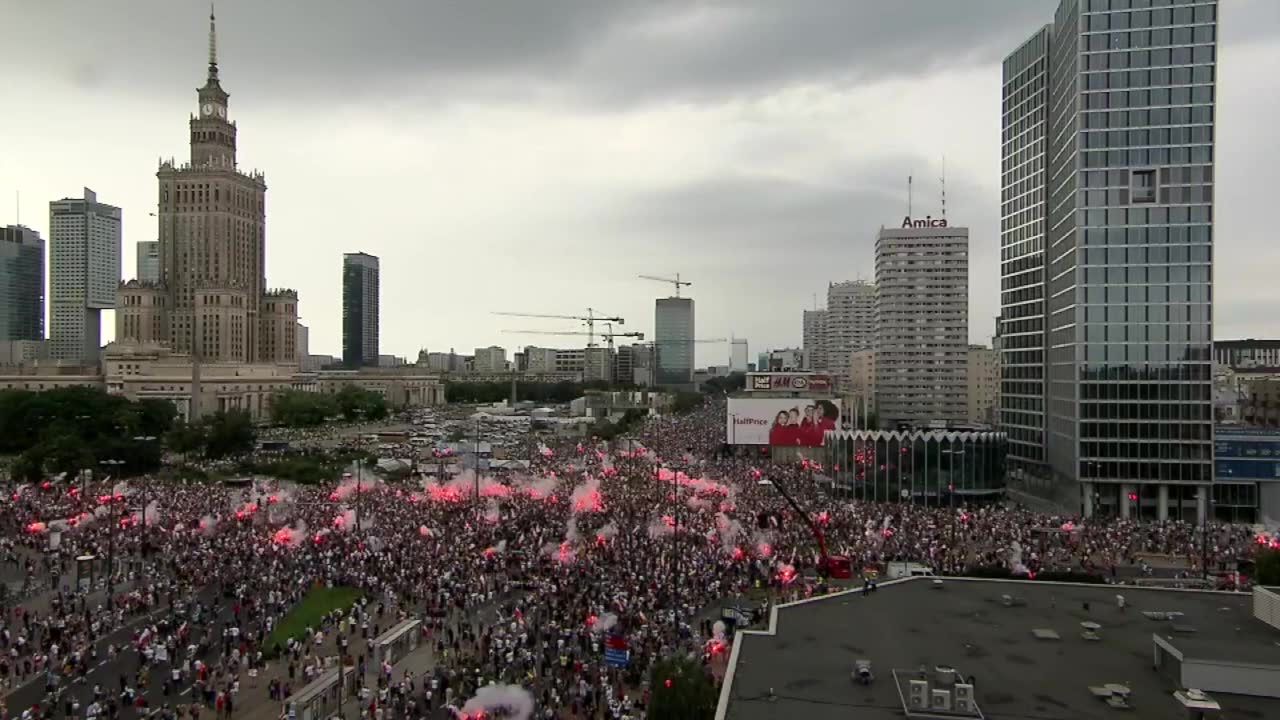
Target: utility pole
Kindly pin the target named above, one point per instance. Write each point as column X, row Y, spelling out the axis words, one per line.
column 146, row 482
column 476, row 474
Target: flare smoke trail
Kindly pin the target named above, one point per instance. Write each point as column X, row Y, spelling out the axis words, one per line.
column 291, row 537
column 539, row 488
column 151, row 513
column 345, row 520
column 511, row 701
column 729, row 530
column 662, row 527
column 367, row 483
column 604, row 623
column 587, row 497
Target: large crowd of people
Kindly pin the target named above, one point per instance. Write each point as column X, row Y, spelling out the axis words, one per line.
column 520, row 581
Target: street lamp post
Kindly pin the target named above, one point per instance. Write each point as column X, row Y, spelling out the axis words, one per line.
column 112, row 519
column 143, row 514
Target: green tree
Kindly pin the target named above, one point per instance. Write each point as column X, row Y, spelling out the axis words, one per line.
column 686, row 402
column 155, row 417
column 66, row 454
column 1266, row 567
column 681, row 689
column 29, row 466
column 186, row 438
column 228, row 433
column 294, row 408
column 357, row 403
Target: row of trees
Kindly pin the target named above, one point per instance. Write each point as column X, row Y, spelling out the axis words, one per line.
column 294, row 408
column 72, row 429
column 538, row 392
column 308, row 468
column 67, row 430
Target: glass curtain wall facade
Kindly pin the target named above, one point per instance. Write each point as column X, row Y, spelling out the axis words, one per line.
column 1129, row 151
column 673, row 326
column 1022, row 232
column 21, row 284
column 359, row 310
column 929, row 468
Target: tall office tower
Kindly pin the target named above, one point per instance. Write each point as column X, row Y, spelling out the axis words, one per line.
column 673, row 331
column 815, row 338
column 492, row 359
column 212, row 300
column 359, row 310
column 738, row 355
column 851, row 324
column 922, row 328
column 21, row 284
column 148, row 270
column 84, row 272
column 1107, row 235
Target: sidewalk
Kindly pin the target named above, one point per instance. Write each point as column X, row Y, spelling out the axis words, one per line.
column 419, row 661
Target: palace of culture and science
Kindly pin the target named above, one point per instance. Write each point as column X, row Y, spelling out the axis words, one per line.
column 211, row 302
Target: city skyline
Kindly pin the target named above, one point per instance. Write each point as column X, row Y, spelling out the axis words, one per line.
column 807, row 183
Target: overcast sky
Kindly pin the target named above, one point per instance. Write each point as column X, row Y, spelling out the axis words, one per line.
column 536, row 156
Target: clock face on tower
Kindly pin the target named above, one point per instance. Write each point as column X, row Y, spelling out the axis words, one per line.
column 222, row 112
column 207, row 109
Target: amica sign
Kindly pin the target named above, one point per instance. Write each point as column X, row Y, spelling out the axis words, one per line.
column 927, row 222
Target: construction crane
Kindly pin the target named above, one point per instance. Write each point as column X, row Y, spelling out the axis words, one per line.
column 590, row 319
column 676, row 281
column 607, row 335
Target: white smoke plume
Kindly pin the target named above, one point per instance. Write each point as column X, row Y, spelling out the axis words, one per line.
column 729, row 530
column 605, row 623
column 506, row 701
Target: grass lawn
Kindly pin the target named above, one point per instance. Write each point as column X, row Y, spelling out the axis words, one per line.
column 307, row 613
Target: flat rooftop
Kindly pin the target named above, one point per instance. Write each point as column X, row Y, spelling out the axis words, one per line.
column 807, row 659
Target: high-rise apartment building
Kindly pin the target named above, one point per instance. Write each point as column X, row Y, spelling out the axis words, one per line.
column 673, row 325
column 148, row 261
column 211, row 300
column 359, row 309
column 84, row 272
column 814, row 339
column 21, row 284
column 922, row 324
column 850, row 325
column 984, row 385
column 1106, row 253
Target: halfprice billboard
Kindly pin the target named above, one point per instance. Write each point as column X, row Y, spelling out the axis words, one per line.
column 790, row 382
column 786, row 422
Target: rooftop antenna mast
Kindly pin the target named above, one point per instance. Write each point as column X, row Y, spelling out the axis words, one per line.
column 944, row 186
column 908, row 196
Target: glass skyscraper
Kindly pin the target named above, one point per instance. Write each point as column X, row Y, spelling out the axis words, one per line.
column 1106, row 254
column 21, row 284
column 360, row 273
column 673, row 328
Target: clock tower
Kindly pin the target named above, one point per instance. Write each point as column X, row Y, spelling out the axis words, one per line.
column 213, row 137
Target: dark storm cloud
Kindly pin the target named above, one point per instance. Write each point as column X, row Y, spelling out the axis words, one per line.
column 586, row 50
column 760, row 213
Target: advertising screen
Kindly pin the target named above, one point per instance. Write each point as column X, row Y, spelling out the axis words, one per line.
column 791, row 422
column 796, row 382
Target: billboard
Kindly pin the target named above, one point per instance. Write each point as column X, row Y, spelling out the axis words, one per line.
column 790, row 382
column 788, row 422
